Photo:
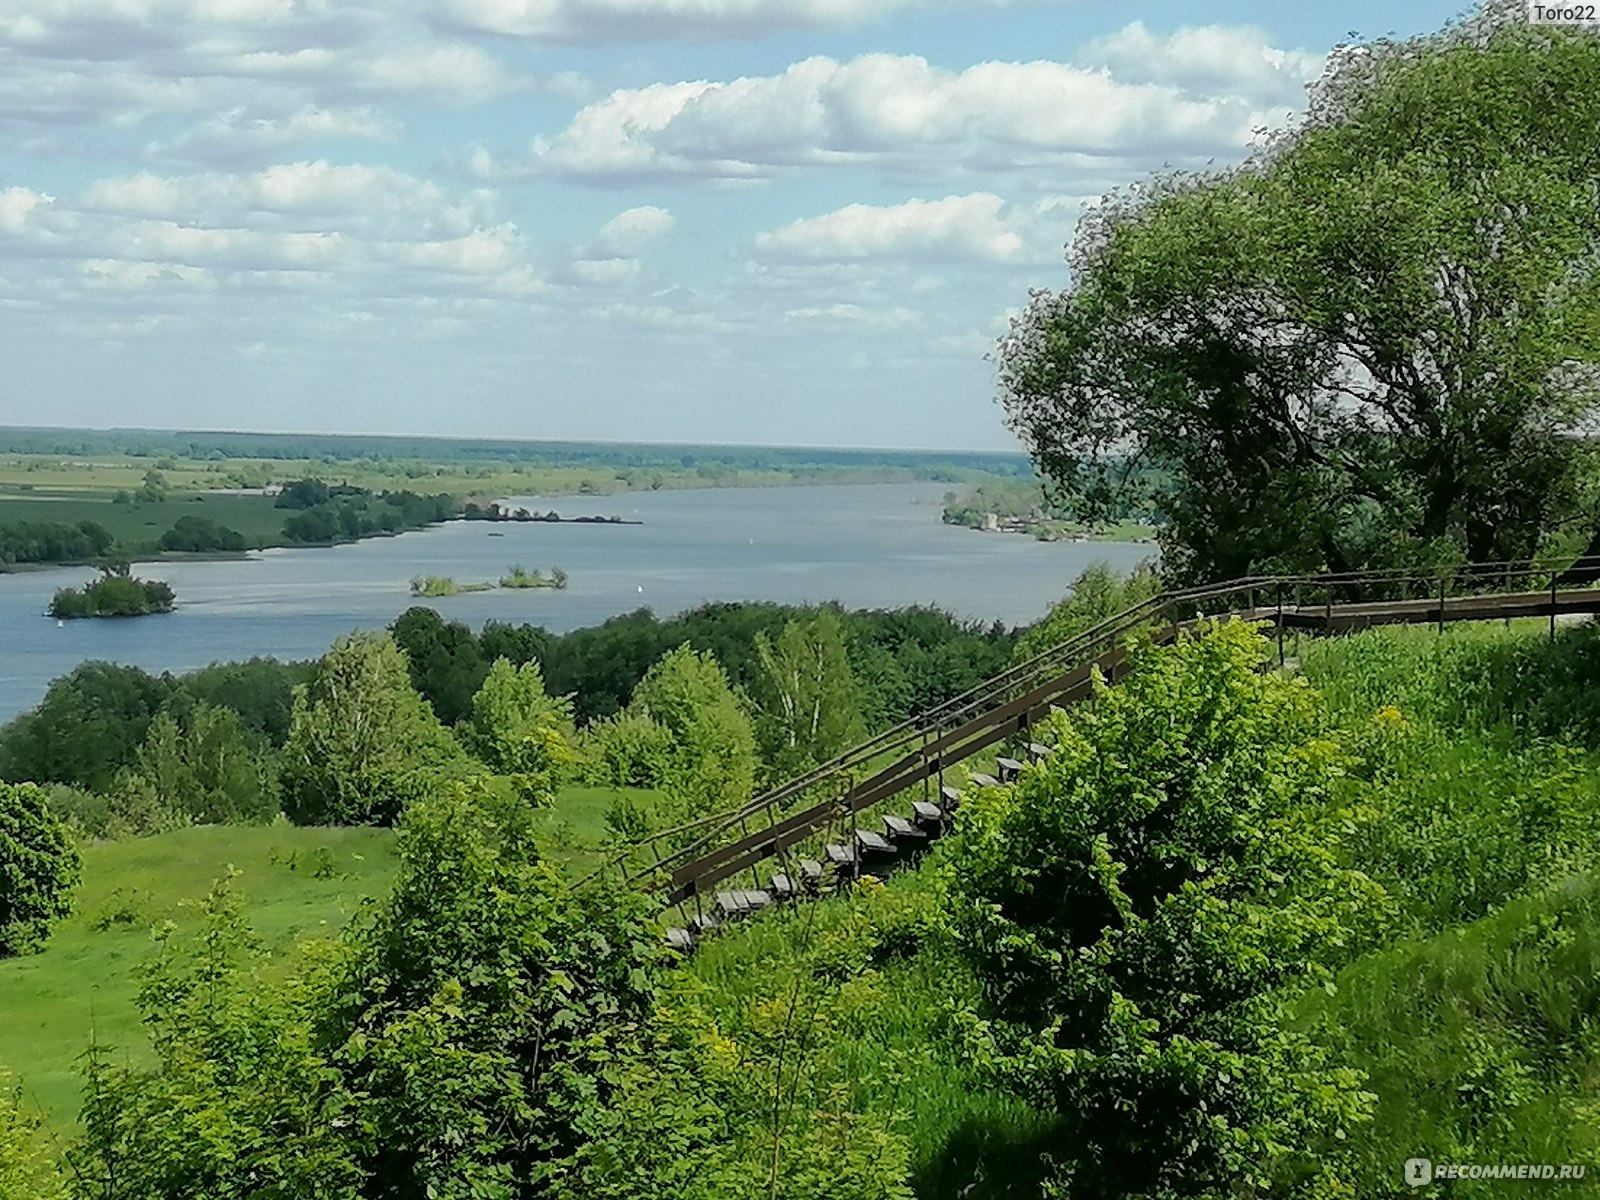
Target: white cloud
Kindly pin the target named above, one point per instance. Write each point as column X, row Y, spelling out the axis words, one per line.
column 652, row 20
column 1209, row 58
column 975, row 226
column 900, row 113
column 240, row 133
column 633, row 229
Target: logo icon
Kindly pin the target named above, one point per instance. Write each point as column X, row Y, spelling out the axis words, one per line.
column 1419, row 1172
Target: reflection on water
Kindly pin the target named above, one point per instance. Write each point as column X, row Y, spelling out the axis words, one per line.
column 868, row 547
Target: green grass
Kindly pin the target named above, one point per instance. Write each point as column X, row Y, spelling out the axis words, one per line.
column 137, row 527
column 295, row 883
column 81, row 984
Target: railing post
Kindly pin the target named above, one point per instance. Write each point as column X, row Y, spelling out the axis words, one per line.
column 1443, row 575
column 1280, row 625
column 1552, row 605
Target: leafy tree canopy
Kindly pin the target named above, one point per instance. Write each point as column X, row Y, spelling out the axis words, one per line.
column 39, row 868
column 1369, row 344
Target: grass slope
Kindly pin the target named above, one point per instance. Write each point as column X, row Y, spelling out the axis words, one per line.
column 296, row 884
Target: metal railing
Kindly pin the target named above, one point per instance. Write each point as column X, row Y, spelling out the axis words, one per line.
column 686, row 860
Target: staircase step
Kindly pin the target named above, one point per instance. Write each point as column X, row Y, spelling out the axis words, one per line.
column 839, row 855
column 732, row 904
column 979, row 779
column 874, row 843
column 902, row 830
column 781, row 887
column 680, row 940
column 951, row 798
column 810, row 872
column 1039, row 750
column 704, row 923
column 1009, row 769
column 755, row 900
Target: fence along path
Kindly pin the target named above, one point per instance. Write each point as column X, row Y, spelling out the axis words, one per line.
column 686, row 865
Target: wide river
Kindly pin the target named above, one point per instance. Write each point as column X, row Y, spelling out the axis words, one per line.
column 865, row 546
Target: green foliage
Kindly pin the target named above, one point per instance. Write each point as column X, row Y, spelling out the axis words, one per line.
column 520, row 577
column 710, row 763
column 27, row 1168
column 88, row 727
column 39, row 868
column 626, row 750
column 259, row 690
column 361, row 741
column 1134, row 907
column 807, row 704
column 1097, row 594
column 1363, row 347
column 198, row 535
column 240, row 1102
column 52, row 542
column 202, row 771
column 115, row 594
column 484, row 1005
column 446, row 666
column 518, row 729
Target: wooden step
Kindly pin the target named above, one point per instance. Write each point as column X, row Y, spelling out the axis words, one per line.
column 979, row 779
column 810, row 873
column 680, row 940
column 901, row 830
column 1009, row 769
column 950, row 797
column 781, row 887
column 1039, row 750
column 869, row 842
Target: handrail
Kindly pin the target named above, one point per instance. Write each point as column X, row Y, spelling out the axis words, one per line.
column 911, row 735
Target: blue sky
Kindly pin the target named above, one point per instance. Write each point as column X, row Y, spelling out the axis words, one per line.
column 775, row 221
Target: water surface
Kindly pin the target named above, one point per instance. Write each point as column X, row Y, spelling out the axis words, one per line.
column 866, row 546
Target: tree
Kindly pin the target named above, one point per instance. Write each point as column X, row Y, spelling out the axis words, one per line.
column 486, row 1004
column 39, row 868
column 807, row 701
column 196, row 534
column 202, row 770
column 1368, row 345
column 1097, row 594
column 88, row 727
column 712, row 763
column 517, row 728
column 446, row 666
column 361, row 741
column 1135, row 908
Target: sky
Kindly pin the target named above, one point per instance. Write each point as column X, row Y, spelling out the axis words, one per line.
column 783, row 222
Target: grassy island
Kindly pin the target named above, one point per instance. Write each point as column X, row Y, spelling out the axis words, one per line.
column 443, row 585
column 115, row 594
column 520, row 577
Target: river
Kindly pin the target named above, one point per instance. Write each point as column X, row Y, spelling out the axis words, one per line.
column 865, row 546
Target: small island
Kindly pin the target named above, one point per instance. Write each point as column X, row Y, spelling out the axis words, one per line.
column 443, row 585
column 115, row 594
column 495, row 511
column 520, row 577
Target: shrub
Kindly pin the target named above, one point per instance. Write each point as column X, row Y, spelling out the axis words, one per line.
column 1134, row 907
column 39, row 867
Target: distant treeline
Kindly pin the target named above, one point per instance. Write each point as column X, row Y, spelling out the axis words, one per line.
column 218, row 446
column 343, row 513
column 92, row 721
column 51, row 542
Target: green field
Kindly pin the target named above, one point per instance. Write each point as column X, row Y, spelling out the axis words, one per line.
column 137, row 527
column 296, row 884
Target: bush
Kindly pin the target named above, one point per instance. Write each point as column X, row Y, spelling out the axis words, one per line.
column 27, row 1171
column 39, row 868
column 197, row 535
column 1134, row 908
column 518, row 729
